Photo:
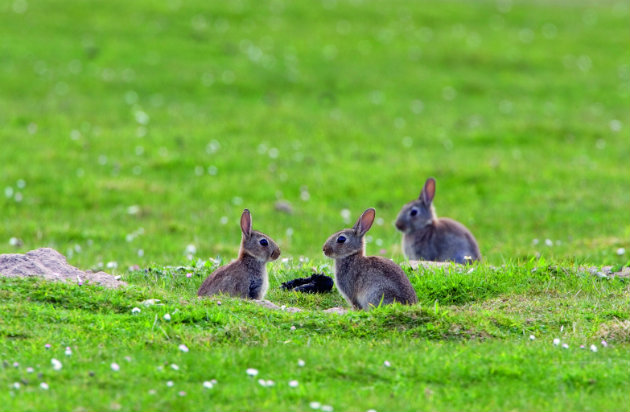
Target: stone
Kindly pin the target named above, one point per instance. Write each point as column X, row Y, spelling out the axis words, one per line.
column 51, row 265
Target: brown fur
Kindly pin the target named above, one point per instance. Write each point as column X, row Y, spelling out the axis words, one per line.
column 425, row 237
column 246, row 277
column 366, row 282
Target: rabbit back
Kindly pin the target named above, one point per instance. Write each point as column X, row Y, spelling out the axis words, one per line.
column 444, row 240
column 236, row 279
column 367, row 282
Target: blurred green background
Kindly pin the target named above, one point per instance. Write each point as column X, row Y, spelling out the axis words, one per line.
column 131, row 130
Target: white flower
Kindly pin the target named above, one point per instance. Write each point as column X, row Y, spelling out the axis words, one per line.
column 181, row 393
column 621, row 251
column 252, row 372
column 68, row 351
column 262, row 382
column 30, row 370
column 593, row 348
column 565, row 346
column 115, row 367
column 292, row 327
column 293, row 384
column 387, row 364
column 556, row 342
column 604, row 343
column 208, row 385
column 133, row 210
column 327, row 408
column 191, row 249
column 301, row 363
column 135, row 310
column 532, row 337
column 315, row 405
column 56, row 364
column 183, row 348
column 174, row 367
column 170, row 384
column 345, row 215
column 44, row 386
column 16, row 385
column 152, row 391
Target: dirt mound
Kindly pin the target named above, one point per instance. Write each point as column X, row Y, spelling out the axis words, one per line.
column 51, row 265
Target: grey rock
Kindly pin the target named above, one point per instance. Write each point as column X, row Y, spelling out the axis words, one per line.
column 270, row 305
column 284, row 206
column 338, row 310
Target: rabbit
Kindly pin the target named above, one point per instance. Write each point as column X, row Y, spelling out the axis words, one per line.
column 425, row 237
column 366, row 281
column 246, row 277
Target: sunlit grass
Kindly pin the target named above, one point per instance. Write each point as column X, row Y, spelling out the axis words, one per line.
column 134, row 134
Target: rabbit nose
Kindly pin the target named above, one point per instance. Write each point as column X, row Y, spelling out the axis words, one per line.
column 276, row 254
column 399, row 226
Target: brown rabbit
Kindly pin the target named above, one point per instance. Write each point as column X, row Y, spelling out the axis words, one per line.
column 246, row 277
column 366, row 281
column 425, row 237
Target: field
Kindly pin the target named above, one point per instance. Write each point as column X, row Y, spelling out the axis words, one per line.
column 134, row 134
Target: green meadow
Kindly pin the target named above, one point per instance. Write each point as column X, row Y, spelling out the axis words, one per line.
column 133, row 134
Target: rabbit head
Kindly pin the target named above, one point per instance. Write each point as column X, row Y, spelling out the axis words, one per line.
column 255, row 243
column 418, row 213
column 349, row 241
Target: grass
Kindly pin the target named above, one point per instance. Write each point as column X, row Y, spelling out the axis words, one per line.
column 443, row 353
column 192, row 111
column 131, row 130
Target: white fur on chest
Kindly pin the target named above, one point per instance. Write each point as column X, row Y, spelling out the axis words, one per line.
column 265, row 283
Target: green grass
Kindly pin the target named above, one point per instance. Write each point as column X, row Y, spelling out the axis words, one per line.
column 131, row 130
column 444, row 354
column 524, row 150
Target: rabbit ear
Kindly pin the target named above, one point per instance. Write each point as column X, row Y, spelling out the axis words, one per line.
column 246, row 223
column 428, row 191
column 365, row 222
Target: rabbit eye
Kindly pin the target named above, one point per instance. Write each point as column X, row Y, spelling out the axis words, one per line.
column 414, row 212
column 341, row 239
column 264, row 242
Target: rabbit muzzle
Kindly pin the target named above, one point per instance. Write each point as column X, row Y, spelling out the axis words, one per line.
column 327, row 250
column 275, row 254
column 400, row 226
